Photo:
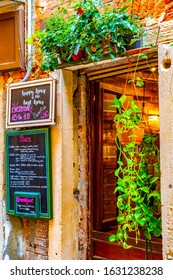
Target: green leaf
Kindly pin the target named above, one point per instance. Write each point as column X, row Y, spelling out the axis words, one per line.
column 126, row 236
column 145, row 208
column 140, row 199
column 121, row 163
column 125, row 226
column 126, row 246
column 117, row 103
column 154, row 194
column 119, row 234
column 154, row 179
column 112, row 238
column 138, row 214
column 112, row 56
column 128, row 113
column 129, row 161
column 142, row 221
column 120, row 204
column 117, row 171
column 157, row 232
column 136, row 108
column 119, row 188
column 143, row 55
column 139, row 82
column 147, row 235
column 145, row 189
column 122, row 99
column 120, row 219
column 133, row 184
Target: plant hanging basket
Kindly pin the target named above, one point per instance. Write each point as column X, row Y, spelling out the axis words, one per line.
column 134, row 135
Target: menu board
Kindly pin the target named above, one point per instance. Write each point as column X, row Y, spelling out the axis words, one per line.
column 28, row 172
column 26, row 204
column 30, row 103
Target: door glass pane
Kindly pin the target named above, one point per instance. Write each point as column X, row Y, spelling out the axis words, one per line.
column 109, row 159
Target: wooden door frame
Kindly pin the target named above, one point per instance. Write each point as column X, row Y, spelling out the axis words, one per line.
column 92, row 123
column 95, row 127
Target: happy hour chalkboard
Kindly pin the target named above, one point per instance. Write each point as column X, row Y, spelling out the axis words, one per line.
column 30, row 103
column 28, row 168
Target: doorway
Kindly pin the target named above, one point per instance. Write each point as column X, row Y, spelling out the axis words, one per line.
column 103, row 162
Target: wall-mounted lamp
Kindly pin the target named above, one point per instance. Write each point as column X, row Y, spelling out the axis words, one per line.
column 154, row 122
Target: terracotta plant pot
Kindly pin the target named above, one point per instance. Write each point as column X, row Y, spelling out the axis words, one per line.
column 134, row 135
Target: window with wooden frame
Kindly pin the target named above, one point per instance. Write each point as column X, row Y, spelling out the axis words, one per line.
column 11, row 40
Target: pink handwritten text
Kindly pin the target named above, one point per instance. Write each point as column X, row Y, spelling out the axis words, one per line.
column 25, row 200
column 17, row 109
column 19, row 117
column 44, row 115
column 22, row 138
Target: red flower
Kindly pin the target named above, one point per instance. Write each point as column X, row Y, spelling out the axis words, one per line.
column 80, row 11
column 78, row 56
column 35, row 39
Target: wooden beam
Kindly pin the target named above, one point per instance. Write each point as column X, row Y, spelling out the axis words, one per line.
column 129, row 91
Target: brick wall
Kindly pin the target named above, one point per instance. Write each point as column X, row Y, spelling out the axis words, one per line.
column 149, row 8
column 36, row 239
column 143, row 8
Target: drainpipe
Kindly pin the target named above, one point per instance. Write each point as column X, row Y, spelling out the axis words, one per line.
column 30, row 47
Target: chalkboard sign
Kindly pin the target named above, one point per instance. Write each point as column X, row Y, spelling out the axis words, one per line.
column 28, row 170
column 31, row 103
column 26, row 204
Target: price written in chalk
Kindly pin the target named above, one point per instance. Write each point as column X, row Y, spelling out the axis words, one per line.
column 31, row 104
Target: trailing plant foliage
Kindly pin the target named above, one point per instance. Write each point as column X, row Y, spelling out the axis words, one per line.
column 91, row 32
column 128, row 115
column 137, row 174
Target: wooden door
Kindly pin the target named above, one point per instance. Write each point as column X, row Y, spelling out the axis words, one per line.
column 103, row 158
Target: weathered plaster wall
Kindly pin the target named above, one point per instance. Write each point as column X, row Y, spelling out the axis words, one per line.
column 1, row 163
column 14, row 238
column 63, row 229
column 166, row 145
column 69, row 208
column 81, row 192
column 58, row 238
column 11, row 229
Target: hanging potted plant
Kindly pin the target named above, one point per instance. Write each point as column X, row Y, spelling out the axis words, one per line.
column 91, row 33
column 128, row 120
column 138, row 176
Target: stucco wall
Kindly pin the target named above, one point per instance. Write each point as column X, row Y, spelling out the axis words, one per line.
column 1, row 163
column 166, row 145
column 58, row 238
column 63, row 235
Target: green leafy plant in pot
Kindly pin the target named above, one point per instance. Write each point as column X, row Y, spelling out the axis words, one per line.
column 137, row 176
column 91, row 33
